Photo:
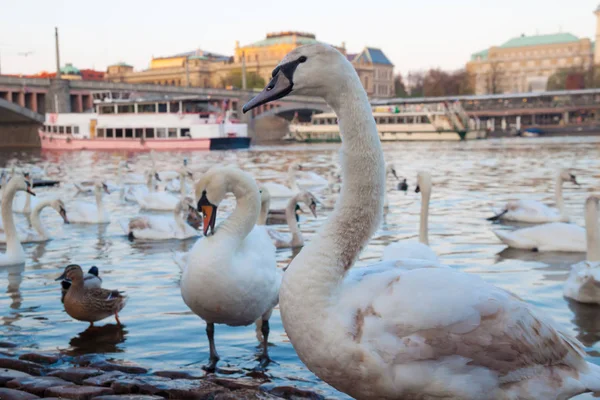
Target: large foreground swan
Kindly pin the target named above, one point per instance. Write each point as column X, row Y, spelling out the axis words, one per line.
column 583, row 284
column 14, row 254
column 37, row 232
column 90, row 213
column 419, row 250
column 162, row 227
column 231, row 275
column 384, row 333
column 534, row 211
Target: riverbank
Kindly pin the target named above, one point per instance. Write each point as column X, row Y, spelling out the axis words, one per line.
column 29, row 375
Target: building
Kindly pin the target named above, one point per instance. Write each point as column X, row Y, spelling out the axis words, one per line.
column 71, row 72
column 205, row 69
column 524, row 63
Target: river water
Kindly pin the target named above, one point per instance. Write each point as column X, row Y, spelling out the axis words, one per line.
column 161, row 333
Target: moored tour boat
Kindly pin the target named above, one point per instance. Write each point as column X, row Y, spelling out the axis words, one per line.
column 185, row 123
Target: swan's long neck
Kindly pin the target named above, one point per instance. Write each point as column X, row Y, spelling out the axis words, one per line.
column 177, row 215
column 292, row 180
column 182, row 184
column 323, row 263
column 36, row 222
column 264, row 212
column 592, row 232
column 99, row 203
column 290, row 217
column 13, row 245
column 149, row 182
column 424, row 222
column 27, row 207
column 558, row 195
column 242, row 220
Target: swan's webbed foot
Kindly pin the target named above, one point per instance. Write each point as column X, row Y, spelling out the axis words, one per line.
column 214, row 357
column 264, row 359
column 211, row 367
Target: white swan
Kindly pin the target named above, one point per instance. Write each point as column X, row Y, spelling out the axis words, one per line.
column 132, row 191
column 160, row 227
column 419, row 250
column 583, row 284
column 88, row 213
column 554, row 236
column 179, row 185
column 24, row 202
column 536, row 212
column 295, row 239
column 381, row 332
column 37, row 232
column 308, row 180
column 231, row 276
column 283, row 192
column 14, row 250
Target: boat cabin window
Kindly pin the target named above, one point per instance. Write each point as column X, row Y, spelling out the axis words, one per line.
column 126, row 109
column 172, row 132
column 100, row 132
column 185, row 132
column 174, row 107
column 118, row 133
column 61, row 129
column 128, row 133
column 150, row 133
column 55, row 129
column 68, row 130
column 162, row 107
column 76, row 130
column 139, row 132
column 109, row 133
column 161, row 132
column 147, row 108
column 108, row 109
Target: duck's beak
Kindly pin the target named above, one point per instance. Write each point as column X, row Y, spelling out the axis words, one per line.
column 62, row 277
column 209, row 213
column 63, row 214
column 280, row 86
column 417, row 189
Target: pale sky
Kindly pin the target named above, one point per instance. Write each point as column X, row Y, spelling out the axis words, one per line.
column 416, row 34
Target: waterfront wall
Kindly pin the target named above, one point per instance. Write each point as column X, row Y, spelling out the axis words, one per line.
column 19, row 135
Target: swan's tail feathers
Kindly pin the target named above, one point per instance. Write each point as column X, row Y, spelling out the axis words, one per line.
column 591, row 378
column 514, row 241
column 497, row 216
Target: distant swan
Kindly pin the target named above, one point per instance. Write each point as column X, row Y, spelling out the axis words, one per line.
column 14, row 254
column 37, row 232
column 296, row 239
column 88, row 213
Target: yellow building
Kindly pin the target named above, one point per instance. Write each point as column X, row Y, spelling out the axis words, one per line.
column 525, row 63
column 203, row 69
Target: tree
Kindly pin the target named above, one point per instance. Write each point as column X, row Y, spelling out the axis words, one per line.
column 493, row 78
column 234, row 78
column 441, row 83
column 399, row 88
column 574, row 78
column 415, row 83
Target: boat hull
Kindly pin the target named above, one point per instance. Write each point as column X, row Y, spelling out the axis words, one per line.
column 65, row 143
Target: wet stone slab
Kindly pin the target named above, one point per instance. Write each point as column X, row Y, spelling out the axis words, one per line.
column 105, row 379
column 77, row 374
column 11, row 394
column 129, row 397
column 23, row 366
column 109, row 366
column 41, row 358
column 246, row 394
column 172, row 389
column 36, row 384
column 77, row 392
column 177, row 375
column 7, row 375
column 291, row 392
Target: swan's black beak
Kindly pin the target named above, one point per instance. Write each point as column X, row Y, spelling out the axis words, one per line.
column 280, row 86
column 313, row 208
column 63, row 214
column 105, row 187
column 417, row 189
column 395, row 174
column 574, row 180
column 157, row 177
column 209, row 213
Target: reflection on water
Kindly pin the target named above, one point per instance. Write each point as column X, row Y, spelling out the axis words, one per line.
column 471, row 179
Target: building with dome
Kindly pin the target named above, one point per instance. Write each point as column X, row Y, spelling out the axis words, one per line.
column 525, row 63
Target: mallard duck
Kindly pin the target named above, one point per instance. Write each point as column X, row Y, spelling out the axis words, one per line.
column 90, row 304
column 90, row 280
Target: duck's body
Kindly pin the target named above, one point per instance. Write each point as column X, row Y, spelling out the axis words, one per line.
column 37, row 232
column 90, row 304
column 90, row 280
column 231, row 276
column 14, row 254
column 555, row 236
column 536, row 212
column 89, row 213
column 386, row 333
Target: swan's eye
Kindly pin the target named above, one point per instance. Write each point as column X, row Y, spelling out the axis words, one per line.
column 302, row 59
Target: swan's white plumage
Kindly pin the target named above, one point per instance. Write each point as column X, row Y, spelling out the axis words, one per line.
column 20, row 205
column 14, row 254
column 555, row 236
column 160, row 227
column 36, row 232
column 158, row 201
column 81, row 212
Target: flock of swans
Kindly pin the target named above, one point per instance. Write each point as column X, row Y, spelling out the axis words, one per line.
column 406, row 327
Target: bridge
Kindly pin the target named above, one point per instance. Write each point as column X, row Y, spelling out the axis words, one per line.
column 19, row 125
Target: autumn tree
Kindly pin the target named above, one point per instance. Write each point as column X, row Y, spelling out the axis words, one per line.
column 415, row 83
column 234, row 78
column 399, row 88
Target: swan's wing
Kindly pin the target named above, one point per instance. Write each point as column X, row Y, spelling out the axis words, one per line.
column 553, row 236
column 531, row 210
column 278, row 190
column 409, row 249
column 82, row 211
column 439, row 321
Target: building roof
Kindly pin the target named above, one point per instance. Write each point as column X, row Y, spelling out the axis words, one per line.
column 540, row 40
column 372, row 55
column 285, row 38
column 483, row 55
column 351, row 57
column 69, row 69
column 121, row 64
column 201, row 54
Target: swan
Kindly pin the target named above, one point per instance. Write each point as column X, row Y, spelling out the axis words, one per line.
column 389, row 170
column 88, row 213
column 308, row 180
column 413, row 249
column 14, row 254
column 130, row 193
column 231, row 276
column 158, row 201
column 380, row 332
column 37, row 232
column 583, row 283
column 179, row 184
column 24, row 203
column 536, row 212
column 294, row 240
column 553, row 236
column 282, row 192
column 160, row 227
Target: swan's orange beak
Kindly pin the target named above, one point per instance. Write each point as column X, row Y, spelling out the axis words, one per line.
column 209, row 214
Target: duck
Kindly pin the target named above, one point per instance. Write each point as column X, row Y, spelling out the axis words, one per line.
column 416, row 249
column 381, row 332
column 583, row 283
column 403, row 186
column 90, row 280
column 90, row 304
column 23, row 204
column 295, row 240
column 160, row 227
column 231, row 276
column 89, row 213
column 14, row 255
column 37, row 232
column 536, row 212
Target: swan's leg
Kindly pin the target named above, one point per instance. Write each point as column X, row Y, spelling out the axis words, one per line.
column 91, row 325
column 214, row 357
column 264, row 357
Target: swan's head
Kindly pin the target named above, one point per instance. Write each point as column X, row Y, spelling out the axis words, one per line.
column 100, row 186
column 19, row 183
column 309, row 200
column 390, row 169
column 314, row 69
column 72, row 273
column 59, row 206
column 423, row 182
column 265, row 196
column 567, row 176
column 213, row 187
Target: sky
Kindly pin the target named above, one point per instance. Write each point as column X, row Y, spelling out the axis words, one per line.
column 415, row 35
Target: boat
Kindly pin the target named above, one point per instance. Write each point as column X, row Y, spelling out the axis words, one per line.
column 441, row 121
column 128, row 123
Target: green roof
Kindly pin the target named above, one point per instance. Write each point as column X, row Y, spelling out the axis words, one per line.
column 540, row 40
column 122, row 64
column 300, row 40
column 69, row 69
column 483, row 55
